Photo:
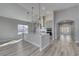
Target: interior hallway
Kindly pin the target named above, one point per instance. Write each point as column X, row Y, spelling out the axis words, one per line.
column 56, row 48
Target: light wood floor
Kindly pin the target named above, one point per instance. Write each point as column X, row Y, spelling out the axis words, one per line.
column 56, row 48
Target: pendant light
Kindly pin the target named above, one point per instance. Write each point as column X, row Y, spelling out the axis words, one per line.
column 39, row 15
column 32, row 13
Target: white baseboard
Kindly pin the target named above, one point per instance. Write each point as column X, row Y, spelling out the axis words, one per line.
column 11, row 42
column 33, row 43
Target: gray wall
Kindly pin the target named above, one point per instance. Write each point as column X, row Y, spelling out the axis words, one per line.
column 13, row 10
column 8, row 28
column 68, row 14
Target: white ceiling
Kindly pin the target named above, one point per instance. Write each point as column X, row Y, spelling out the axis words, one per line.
column 45, row 8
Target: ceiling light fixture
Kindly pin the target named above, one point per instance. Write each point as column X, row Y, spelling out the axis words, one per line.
column 48, row 12
column 43, row 8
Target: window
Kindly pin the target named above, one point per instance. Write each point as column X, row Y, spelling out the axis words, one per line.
column 22, row 29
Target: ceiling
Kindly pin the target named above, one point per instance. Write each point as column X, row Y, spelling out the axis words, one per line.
column 45, row 8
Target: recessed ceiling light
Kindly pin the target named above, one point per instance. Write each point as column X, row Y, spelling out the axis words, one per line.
column 48, row 12
column 43, row 8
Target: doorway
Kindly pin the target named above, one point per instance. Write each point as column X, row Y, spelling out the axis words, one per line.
column 65, row 30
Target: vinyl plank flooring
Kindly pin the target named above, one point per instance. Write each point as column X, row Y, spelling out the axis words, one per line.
column 56, row 48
